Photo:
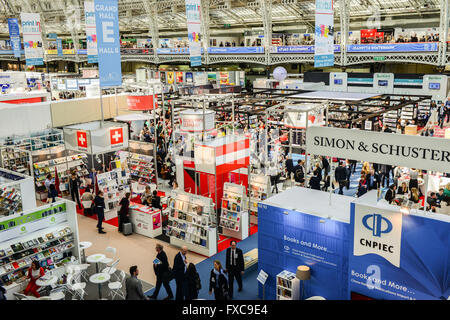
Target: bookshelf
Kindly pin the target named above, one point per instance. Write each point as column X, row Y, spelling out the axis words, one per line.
column 141, row 167
column 234, row 217
column 390, row 119
column 259, row 190
column 10, row 200
column 191, row 223
column 114, row 184
column 15, row 160
column 288, row 286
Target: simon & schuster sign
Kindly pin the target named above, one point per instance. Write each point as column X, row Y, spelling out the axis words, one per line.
column 385, row 148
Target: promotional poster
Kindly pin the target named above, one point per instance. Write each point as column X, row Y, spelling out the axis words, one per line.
column 324, row 30
column 91, row 32
column 14, row 36
column 32, row 38
column 193, row 19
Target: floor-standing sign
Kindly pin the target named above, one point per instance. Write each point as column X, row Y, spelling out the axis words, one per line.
column 324, row 30
column 108, row 41
column 32, row 38
column 193, row 18
column 91, row 32
column 14, row 36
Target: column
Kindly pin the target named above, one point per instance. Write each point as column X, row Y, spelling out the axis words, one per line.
column 344, row 22
column 443, row 31
column 266, row 15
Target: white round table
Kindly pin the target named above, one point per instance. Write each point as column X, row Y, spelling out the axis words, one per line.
column 99, row 278
column 316, row 298
column 57, row 296
column 46, row 281
column 84, row 245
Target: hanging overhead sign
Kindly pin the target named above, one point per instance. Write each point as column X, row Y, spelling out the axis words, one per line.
column 379, row 147
column 324, row 31
column 108, row 42
column 91, row 32
column 32, row 38
column 59, row 47
column 193, row 18
column 14, row 36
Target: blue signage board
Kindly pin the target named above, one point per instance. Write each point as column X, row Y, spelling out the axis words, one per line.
column 236, row 50
column 14, row 35
column 405, row 257
column 59, row 47
column 52, row 36
column 300, row 49
column 108, row 43
column 82, row 51
column 288, row 239
column 393, row 47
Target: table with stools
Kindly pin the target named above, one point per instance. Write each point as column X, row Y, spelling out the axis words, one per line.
column 99, row 278
column 84, row 245
column 96, row 258
column 47, row 281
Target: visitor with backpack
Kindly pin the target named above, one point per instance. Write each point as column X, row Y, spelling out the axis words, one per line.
column 299, row 172
column 193, row 283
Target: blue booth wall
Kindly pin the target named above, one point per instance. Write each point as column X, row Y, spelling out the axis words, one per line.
column 286, row 241
column 424, row 272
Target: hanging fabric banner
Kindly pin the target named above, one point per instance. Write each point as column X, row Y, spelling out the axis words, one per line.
column 193, row 18
column 324, row 31
column 59, row 47
column 14, row 36
column 91, row 32
column 32, row 38
column 108, row 42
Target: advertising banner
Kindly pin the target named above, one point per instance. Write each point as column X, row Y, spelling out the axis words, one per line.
column 170, row 77
column 108, row 42
column 193, row 19
column 426, row 153
column 324, row 30
column 288, row 239
column 393, row 47
column 299, row 49
column 141, row 102
column 14, row 36
column 236, row 50
column 91, row 32
column 59, row 47
column 406, row 256
column 32, row 38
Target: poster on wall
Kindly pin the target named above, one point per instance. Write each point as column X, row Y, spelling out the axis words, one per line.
column 108, row 42
column 170, row 77
column 162, row 76
column 156, row 219
column 324, row 34
column 189, row 77
column 32, row 38
column 193, row 19
column 390, row 260
column 14, row 36
column 179, row 76
column 91, row 32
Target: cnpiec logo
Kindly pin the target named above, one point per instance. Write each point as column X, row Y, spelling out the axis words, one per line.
column 378, row 233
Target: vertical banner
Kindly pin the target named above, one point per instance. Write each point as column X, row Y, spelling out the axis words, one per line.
column 91, row 32
column 193, row 19
column 32, row 38
column 14, row 36
column 108, row 42
column 59, row 47
column 324, row 46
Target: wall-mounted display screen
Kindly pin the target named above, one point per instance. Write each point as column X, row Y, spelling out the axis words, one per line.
column 434, row 86
column 382, row 83
column 338, row 81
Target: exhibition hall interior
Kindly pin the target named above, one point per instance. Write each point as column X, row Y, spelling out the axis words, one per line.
column 224, row 150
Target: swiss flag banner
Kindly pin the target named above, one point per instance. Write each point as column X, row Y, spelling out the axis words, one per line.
column 116, row 135
column 82, row 139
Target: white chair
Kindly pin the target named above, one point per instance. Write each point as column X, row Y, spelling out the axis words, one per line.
column 86, row 204
column 108, row 260
column 76, row 288
column 115, row 288
column 111, row 269
column 20, row 296
column 78, row 269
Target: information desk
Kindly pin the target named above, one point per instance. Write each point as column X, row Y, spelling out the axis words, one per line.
column 145, row 220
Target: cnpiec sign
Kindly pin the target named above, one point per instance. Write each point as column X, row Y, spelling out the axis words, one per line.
column 386, row 148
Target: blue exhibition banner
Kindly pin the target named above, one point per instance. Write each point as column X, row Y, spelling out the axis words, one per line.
column 236, row 50
column 14, row 35
column 393, row 47
column 419, row 269
column 300, row 49
column 289, row 238
column 59, row 47
column 108, row 43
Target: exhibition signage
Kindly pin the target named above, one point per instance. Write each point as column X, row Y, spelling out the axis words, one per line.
column 262, row 277
column 299, row 49
column 141, row 102
column 32, row 38
column 82, row 140
column 108, row 42
column 59, row 47
column 379, row 147
column 393, row 47
column 406, row 256
column 234, row 50
column 324, row 38
column 192, row 120
column 91, row 35
column 193, row 19
column 14, row 36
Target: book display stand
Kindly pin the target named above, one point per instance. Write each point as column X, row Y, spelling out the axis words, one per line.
column 259, row 190
column 191, row 223
column 234, row 216
column 288, row 286
column 16, row 193
column 114, row 184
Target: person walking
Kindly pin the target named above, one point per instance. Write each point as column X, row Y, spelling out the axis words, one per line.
column 193, row 282
column 179, row 271
column 162, row 272
column 75, row 183
column 340, row 175
column 133, row 286
column 234, row 266
column 123, row 211
column 99, row 209
column 218, row 282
